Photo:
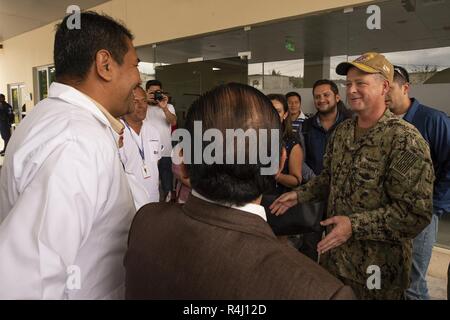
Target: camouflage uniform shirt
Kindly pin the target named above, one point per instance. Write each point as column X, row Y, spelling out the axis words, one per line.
column 383, row 182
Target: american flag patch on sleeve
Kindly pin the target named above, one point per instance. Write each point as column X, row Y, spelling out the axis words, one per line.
column 406, row 162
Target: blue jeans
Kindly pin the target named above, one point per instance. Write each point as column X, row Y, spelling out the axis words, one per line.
column 422, row 249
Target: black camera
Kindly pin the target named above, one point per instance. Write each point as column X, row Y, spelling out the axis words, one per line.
column 158, row 95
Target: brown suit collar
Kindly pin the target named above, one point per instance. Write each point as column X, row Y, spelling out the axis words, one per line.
column 227, row 217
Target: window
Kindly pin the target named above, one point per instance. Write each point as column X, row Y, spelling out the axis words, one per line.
column 45, row 77
column 17, row 97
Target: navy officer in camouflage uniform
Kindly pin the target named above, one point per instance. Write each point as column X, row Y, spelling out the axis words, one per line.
column 378, row 179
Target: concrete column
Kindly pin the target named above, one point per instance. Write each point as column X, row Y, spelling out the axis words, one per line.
column 316, row 67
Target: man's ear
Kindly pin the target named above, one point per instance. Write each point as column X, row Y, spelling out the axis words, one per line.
column 385, row 87
column 104, row 64
column 406, row 88
column 338, row 97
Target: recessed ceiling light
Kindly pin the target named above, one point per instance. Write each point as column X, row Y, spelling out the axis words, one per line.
column 216, row 69
column 348, row 10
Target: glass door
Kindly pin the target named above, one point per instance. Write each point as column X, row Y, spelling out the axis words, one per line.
column 17, row 99
column 45, row 77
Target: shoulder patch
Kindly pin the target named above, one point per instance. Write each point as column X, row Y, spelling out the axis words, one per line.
column 405, row 163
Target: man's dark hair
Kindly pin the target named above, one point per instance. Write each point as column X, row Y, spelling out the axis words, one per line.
column 153, row 83
column 75, row 49
column 232, row 106
column 294, row 94
column 332, row 85
column 334, row 88
column 401, row 76
column 2, row 96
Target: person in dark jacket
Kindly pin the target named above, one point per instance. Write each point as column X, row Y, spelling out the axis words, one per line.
column 291, row 174
column 218, row 245
column 316, row 130
column 434, row 126
column 6, row 119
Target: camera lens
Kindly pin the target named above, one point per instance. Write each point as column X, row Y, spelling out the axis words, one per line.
column 159, row 96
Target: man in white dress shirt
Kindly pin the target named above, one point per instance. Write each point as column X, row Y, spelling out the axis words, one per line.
column 162, row 116
column 140, row 152
column 65, row 204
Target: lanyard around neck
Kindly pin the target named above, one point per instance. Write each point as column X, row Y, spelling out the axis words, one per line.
column 140, row 148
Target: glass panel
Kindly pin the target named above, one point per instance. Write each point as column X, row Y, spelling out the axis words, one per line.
column 42, row 83
column 51, row 73
column 185, row 82
column 22, row 103
column 425, row 66
column 15, row 94
column 15, row 98
column 277, row 76
column 283, row 76
column 255, row 78
column 147, row 71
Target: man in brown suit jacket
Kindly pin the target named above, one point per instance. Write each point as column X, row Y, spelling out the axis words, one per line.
column 218, row 244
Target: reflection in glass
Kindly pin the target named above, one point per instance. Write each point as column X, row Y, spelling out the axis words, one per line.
column 276, row 76
column 42, row 82
column 51, row 73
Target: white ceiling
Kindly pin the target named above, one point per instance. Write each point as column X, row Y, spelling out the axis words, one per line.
column 333, row 33
column 20, row 16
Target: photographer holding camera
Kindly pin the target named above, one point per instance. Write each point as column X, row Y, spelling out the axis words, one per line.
column 162, row 116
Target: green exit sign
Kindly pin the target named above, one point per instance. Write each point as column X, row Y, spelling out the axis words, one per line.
column 289, row 45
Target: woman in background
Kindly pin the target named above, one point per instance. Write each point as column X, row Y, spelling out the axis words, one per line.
column 291, row 174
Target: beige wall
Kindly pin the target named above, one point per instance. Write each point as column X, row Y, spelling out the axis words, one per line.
column 155, row 21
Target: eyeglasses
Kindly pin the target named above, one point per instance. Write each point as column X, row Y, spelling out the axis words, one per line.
column 402, row 73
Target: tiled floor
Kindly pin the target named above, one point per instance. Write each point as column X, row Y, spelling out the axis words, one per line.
column 437, row 288
column 437, row 273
